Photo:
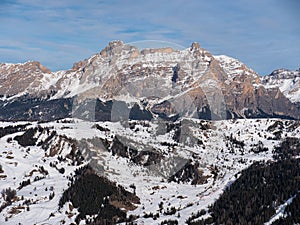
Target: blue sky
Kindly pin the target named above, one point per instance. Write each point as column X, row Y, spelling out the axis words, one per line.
column 264, row 34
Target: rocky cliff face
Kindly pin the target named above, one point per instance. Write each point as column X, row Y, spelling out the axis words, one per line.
column 163, row 82
column 252, row 95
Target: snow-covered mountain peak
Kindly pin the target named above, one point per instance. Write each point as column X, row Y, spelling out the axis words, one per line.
column 285, row 73
column 233, row 67
column 288, row 81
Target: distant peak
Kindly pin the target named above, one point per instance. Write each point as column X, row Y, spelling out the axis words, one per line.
column 115, row 43
column 33, row 65
column 195, row 45
column 111, row 46
column 278, row 71
column 38, row 65
column 282, row 72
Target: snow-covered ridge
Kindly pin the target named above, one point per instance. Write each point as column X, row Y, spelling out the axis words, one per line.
column 234, row 67
column 288, row 81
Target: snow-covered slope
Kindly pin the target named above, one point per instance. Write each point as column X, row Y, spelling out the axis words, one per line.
column 234, row 68
column 186, row 165
column 287, row 81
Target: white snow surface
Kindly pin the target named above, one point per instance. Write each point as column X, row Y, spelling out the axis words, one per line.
column 152, row 187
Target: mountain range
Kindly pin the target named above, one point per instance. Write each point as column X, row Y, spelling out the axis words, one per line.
column 149, row 136
column 148, row 83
